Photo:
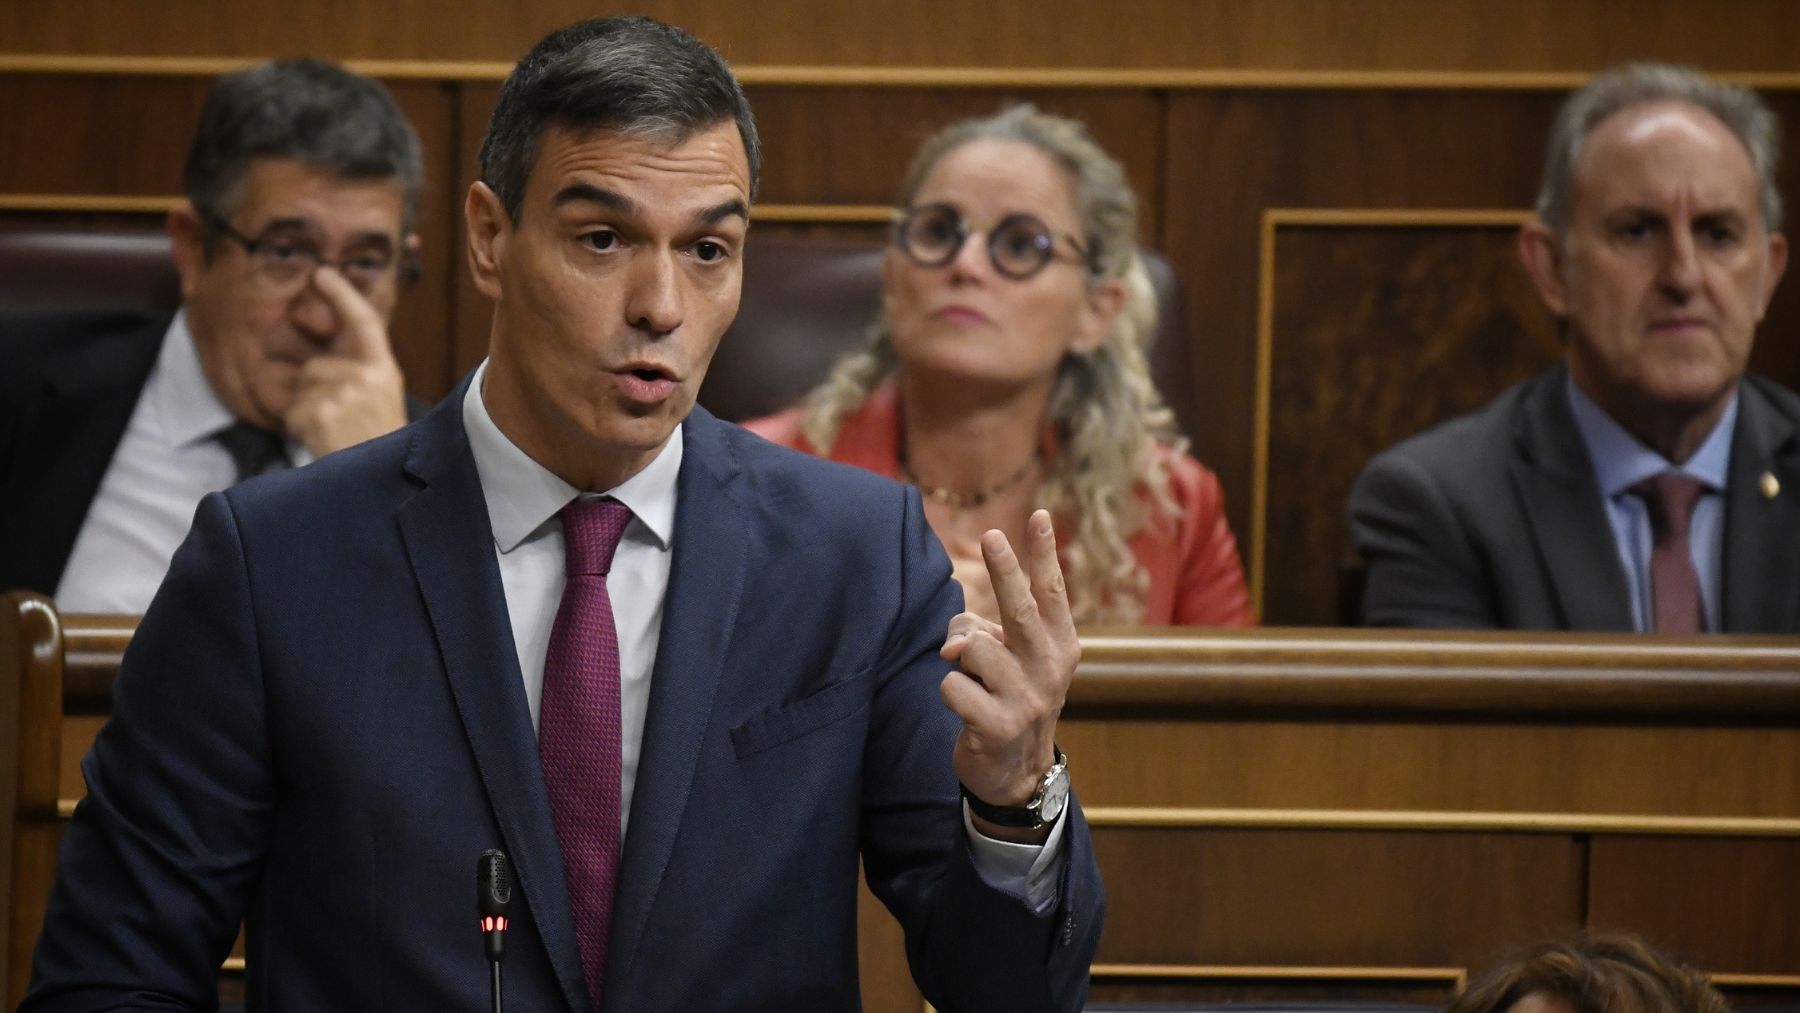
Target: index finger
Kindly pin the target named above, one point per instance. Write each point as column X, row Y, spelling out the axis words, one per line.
column 363, row 336
column 1012, row 593
column 1047, row 585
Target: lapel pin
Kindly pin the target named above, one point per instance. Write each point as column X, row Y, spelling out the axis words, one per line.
column 1771, row 486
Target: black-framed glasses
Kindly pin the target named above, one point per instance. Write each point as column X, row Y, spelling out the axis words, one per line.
column 284, row 260
column 1019, row 245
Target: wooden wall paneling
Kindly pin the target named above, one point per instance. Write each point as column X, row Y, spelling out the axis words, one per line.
column 853, row 145
column 1247, row 897
column 96, row 134
column 1734, row 907
column 473, row 311
column 1380, row 326
column 422, row 325
column 1234, row 154
column 1437, row 766
column 1528, row 35
column 1777, row 351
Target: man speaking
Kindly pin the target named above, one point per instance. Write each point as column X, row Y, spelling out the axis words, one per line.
column 682, row 677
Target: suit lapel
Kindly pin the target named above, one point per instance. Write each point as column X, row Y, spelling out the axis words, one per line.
column 451, row 547
column 1761, row 553
column 706, row 584
column 1555, row 484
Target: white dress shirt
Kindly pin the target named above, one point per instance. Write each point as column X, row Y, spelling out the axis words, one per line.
column 524, row 501
column 166, row 462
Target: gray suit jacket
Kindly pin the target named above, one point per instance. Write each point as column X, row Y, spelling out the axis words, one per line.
column 1494, row 520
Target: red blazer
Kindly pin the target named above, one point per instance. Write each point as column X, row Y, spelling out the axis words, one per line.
column 1196, row 578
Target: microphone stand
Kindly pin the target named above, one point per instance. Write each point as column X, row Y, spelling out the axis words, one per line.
column 493, row 896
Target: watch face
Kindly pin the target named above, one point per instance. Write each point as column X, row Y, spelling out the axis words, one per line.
column 1056, row 796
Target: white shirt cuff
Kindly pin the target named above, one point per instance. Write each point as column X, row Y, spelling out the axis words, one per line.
column 1030, row 872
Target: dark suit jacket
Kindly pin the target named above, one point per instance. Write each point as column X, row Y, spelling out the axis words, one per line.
column 1495, row 520
column 321, row 723
column 67, row 389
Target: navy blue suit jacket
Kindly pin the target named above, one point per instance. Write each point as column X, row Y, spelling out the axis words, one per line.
column 321, row 723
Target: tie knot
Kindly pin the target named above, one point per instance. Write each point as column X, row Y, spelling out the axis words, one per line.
column 591, row 530
column 1671, row 498
column 253, row 449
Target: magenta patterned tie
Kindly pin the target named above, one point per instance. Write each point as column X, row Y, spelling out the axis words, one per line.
column 1674, row 586
column 578, row 725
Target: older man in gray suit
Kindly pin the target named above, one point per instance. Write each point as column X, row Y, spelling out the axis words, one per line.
column 1646, row 483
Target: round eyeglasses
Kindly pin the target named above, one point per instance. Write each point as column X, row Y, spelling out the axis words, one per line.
column 1019, row 245
column 285, row 261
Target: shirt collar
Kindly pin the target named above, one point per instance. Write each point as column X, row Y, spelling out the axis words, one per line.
column 522, row 495
column 1621, row 462
column 185, row 403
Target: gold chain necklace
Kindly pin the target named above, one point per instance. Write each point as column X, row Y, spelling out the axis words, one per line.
column 964, row 500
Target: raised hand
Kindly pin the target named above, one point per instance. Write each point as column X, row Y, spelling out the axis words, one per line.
column 1012, row 676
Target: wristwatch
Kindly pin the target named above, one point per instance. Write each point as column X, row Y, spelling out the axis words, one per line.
column 1046, row 804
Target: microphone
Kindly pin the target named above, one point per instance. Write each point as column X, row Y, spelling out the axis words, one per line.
column 493, row 896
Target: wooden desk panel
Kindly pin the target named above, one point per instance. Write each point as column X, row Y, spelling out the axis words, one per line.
column 1179, row 896
column 1328, row 814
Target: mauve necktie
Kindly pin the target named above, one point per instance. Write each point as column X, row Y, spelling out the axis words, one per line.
column 578, row 725
column 1674, row 586
column 253, row 449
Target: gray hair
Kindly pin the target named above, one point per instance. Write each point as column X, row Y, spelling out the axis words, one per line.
column 1741, row 110
column 631, row 74
column 308, row 110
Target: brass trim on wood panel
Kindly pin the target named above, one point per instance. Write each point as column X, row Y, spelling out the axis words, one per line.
column 1164, row 817
column 865, row 75
column 1158, row 817
column 1455, row 977
column 1755, row 980
column 87, row 202
column 831, row 214
column 1272, row 219
column 828, row 214
column 1259, row 464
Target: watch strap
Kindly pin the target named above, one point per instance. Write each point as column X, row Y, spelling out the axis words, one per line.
column 1028, row 816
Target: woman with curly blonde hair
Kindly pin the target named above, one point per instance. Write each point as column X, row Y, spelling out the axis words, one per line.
column 1007, row 372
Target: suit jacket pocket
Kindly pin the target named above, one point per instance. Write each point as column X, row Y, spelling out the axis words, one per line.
column 823, row 706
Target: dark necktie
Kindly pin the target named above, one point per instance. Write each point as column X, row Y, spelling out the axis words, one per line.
column 578, row 726
column 253, row 449
column 1674, row 586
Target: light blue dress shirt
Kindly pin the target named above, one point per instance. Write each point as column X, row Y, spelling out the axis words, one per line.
column 1621, row 462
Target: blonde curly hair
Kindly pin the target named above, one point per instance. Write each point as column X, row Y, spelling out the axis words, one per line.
column 1107, row 414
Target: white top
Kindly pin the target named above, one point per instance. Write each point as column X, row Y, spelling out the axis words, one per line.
column 165, row 463
column 524, row 499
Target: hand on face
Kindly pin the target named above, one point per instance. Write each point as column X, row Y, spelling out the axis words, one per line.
column 1013, row 675
column 353, row 391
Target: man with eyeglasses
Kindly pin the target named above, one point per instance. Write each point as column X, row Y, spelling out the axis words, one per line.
column 293, row 243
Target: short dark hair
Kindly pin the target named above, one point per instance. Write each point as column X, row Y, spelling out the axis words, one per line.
column 635, row 75
column 1593, row 973
column 308, row 110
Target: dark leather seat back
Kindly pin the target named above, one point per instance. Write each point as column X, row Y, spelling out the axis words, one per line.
column 46, row 269
column 808, row 301
column 805, row 302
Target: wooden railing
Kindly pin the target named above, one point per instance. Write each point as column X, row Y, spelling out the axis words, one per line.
column 1286, row 813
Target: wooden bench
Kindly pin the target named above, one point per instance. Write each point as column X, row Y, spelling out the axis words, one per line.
column 1286, row 814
